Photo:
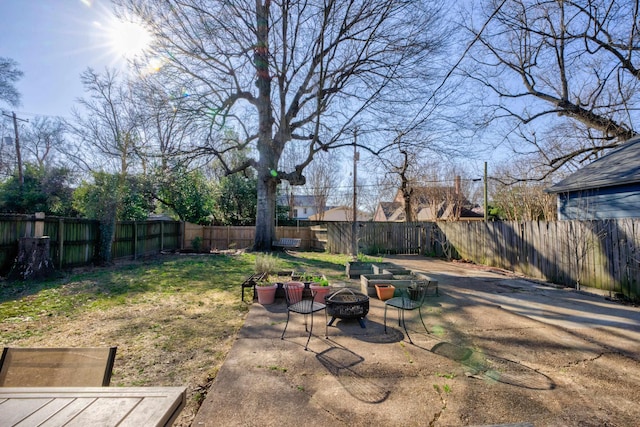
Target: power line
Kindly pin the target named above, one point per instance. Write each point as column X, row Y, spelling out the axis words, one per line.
column 30, row 114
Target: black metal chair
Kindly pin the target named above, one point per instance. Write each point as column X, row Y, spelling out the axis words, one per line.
column 410, row 299
column 300, row 300
column 56, row 367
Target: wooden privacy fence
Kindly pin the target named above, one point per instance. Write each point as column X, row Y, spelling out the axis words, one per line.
column 74, row 242
column 602, row 254
column 237, row 237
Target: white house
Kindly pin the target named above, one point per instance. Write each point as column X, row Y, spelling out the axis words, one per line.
column 339, row 213
column 300, row 207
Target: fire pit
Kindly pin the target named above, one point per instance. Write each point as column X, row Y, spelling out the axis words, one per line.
column 347, row 304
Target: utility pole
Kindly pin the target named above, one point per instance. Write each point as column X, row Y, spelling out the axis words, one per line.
column 18, row 156
column 354, row 224
column 486, row 202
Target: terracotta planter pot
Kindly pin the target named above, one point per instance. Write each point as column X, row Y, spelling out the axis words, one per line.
column 294, row 290
column 385, row 292
column 321, row 292
column 266, row 294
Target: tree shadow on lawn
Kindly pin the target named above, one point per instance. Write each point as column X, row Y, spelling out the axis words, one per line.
column 299, row 263
column 164, row 274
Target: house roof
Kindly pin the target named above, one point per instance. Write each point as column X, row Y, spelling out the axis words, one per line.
column 438, row 201
column 618, row 167
column 389, row 208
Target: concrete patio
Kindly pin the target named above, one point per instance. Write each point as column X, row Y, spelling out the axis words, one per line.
column 501, row 350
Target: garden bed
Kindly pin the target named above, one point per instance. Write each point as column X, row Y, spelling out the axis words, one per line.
column 368, row 282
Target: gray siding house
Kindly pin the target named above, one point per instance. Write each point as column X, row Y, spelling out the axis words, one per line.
column 607, row 188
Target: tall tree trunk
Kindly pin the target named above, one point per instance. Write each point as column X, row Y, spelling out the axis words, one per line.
column 268, row 162
column 266, row 211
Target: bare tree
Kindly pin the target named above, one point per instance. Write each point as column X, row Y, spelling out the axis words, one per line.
column 9, row 95
column 107, row 141
column 7, row 148
column 523, row 199
column 165, row 128
column 9, row 75
column 401, row 163
column 549, row 63
column 322, row 180
column 106, row 132
column 420, row 178
column 43, row 140
column 283, row 72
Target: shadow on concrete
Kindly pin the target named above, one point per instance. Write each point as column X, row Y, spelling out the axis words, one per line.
column 340, row 362
column 494, row 368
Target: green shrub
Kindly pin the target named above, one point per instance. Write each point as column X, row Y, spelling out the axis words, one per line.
column 266, row 263
column 196, row 243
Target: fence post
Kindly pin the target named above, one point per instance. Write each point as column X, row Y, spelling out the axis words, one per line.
column 135, row 239
column 39, row 225
column 181, row 237
column 60, row 243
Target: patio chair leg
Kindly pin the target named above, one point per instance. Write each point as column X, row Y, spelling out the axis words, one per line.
column 285, row 326
column 306, row 346
column 404, row 325
column 385, row 318
column 326, row 327
column 422, row 320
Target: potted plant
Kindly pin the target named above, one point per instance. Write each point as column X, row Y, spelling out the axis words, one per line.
column 266, row 292
column 294, row 291
column 266, row 289
column 320, row 286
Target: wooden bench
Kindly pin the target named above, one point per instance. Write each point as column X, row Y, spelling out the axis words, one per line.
column 286, row 243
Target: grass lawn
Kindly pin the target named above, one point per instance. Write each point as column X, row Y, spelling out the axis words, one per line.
column 173, row 317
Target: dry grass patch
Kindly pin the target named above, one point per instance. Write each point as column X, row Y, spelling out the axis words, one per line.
column 173, row 318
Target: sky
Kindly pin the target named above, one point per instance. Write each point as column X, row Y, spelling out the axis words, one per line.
column 54, row 41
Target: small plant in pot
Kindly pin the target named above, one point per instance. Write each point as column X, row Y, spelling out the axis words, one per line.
column 266, row 289
column 319, row 285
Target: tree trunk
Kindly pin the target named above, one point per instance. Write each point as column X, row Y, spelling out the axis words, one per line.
column 107, row 233
column 33, row 260
column 268, row 162
column 266, row 212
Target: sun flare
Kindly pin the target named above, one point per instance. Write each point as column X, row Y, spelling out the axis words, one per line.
column 128, row 39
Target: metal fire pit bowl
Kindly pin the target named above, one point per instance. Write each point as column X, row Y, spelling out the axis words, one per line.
column 347, row 304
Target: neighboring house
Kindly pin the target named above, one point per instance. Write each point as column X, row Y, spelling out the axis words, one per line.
column 430, row 204
column 300, row 207
column 606, row 188
column 340, row 213
column 389, row 211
